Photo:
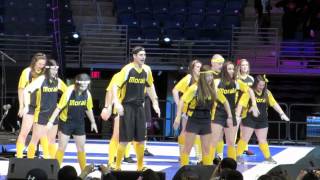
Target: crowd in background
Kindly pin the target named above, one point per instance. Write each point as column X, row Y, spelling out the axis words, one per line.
column 300, row 20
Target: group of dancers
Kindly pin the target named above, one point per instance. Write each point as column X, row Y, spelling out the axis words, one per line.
column 38, row 92
column 212, row 102
column 40, row 105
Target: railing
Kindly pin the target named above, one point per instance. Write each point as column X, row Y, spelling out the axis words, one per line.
column 298, row 129
column 22, row 47
column 259, row 46
column 299, row 55
column 107, row 46
column 103, row 45
column 98, row 8
column 178, row 53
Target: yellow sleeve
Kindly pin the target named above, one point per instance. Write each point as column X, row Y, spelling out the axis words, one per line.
column 213, row 110
column 271, row 100
column 89, row 101
column 62, row 86
column 24, row 80
column 220, row 97
column 183, row 84
column 112, row 82
column 34, row 85
column 123, row 75
column 189, row 94
column 149, row 77
column 244, row 99
column 65, row 97
column 243, row 86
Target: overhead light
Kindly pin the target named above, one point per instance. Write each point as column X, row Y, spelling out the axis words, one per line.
column 75, row 35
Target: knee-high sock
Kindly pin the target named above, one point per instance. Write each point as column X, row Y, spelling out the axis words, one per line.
column 45, row 147
column 232, row 152
column 264, row 147
column 219, row 149
column 140, row 154
column 52, row 150
column 59, row 156
column 212, row 153
column 241, row 147
column 127, row 151
column 120, row 153
column 246, row 148
column 19, row 151
column 206, row 159
column 181, row 142
column 184, row 159
column 198, row 149
column 31, row 151
column 113, row 146
column 82, row 160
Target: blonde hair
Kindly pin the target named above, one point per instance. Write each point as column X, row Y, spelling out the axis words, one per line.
column 238, row 67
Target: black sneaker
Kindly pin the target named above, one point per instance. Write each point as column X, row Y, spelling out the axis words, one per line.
column 147, row 153
column 129, row 160
column 249, row 153
column 216, row 160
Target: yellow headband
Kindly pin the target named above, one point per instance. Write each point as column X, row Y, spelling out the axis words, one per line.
column 217, row 59
column 265, row 78
column 207, row 72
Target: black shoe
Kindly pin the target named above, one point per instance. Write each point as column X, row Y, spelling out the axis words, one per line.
column 129, row 160
column 249, row 153
column 147, row 153
column 216, row 160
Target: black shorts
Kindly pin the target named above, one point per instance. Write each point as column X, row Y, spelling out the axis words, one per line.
column 31, row 110
column 198, row 128
column 72, row 128
column 254, row 124
column 45, row 121
column 32, row 105
column 223, row 121
column 147, row 107
column 132, row 125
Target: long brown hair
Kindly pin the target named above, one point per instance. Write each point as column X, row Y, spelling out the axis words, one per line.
column 192, row 64
column 51, row 62
column 204, row 89
column 225, row 77
column 35, row 58
column 257, row 79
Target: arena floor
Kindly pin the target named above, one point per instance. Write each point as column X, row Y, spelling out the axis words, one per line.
column 166, row 158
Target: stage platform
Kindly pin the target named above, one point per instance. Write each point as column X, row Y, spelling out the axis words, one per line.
column 167, row 154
